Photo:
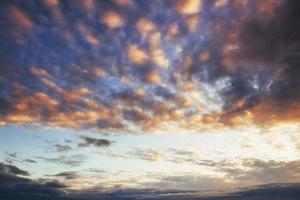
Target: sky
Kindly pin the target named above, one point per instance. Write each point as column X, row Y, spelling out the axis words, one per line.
column 162, row 95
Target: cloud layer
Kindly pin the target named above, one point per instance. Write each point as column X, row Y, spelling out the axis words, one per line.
column 130, row 66
column 12, row 186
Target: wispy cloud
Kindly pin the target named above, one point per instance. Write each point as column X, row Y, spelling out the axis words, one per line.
column 93, row 141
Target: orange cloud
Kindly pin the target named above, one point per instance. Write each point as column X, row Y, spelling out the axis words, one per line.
column 188, row 6
column 124, row 2
column 173, row 31
column 159, row 58
column 87, row 34
column 192, row 23
column 137, row 55
column 153, row 77
column 220, row 3
column 88, row 4
column 145, row 26
column 204, row 56
column 112, row 19
column 21, row 118
column 99, row 72
column 268, row 6
column 51, row 3
column 39, row 72
column 20, row 18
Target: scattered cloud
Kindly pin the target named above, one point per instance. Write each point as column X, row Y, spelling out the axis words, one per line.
column 68, row 175
column 12, row 170
column 93, row 141
column 62, row 148
column 73, row 160
column 224, row 74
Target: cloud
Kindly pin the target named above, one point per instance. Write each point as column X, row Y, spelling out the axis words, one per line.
column 93, row 141
column 29, row 161
column 12, row 170
column 252, row 171
column 112, row 19
column 68, row 175
column 62, row 148
column 20, row 18
column 14, row 187
column 203, row 53
column 188, row 6
column 148, row 155
column 73, row 160
column 191, row 182
column 14, row 157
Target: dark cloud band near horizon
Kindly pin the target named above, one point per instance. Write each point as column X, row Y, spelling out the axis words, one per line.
column 13, row 186
column 139, row 66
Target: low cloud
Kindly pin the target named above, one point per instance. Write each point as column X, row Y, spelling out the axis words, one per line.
column 12, row 170
column 14, row 187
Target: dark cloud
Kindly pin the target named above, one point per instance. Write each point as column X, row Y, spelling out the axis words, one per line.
column 62, row 148
column 271, row 47
column 68, row 175
column 29, row 161
column 14, row 187
column 93, row 141
column 14, row 157
column 12, row 170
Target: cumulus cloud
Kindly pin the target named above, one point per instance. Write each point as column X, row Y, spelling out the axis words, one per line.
column 204, row 54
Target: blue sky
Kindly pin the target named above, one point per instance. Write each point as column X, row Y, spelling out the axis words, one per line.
column 187, row 94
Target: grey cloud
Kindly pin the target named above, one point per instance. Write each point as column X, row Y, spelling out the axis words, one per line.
column 62, row 148
column 12, row 170
column 68, row 175
column 13, row 157
column 29, row 161
column 73, row 160
column 13, row 187
column 93, row 141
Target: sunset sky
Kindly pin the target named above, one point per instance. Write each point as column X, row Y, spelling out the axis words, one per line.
column 162, row 94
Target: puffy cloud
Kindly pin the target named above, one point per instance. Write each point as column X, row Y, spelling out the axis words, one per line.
column 137, row 55
column 145, row 26
column 75, row 72
column 188, row 6
column 112, row 19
